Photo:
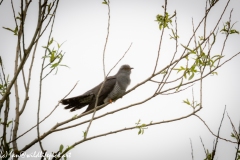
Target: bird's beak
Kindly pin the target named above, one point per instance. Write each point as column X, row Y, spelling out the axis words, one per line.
column 131, row 68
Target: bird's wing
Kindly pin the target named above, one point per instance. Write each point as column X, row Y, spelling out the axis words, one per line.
column 107, row 88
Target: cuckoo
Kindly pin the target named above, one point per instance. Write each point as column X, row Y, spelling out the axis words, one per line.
column 113, row 88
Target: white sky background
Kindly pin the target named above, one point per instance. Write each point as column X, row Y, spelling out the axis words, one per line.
column 83, row 25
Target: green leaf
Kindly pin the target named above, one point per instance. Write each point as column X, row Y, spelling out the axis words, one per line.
column 201, row 38
column 163, row 72
column 9, row 29
column 69, row 148
column 14, row 31
column 214, row 38
column 49, row 51
column 19, row 17
column 187, row 48
column 61, row 148
column 9, row 123
column 233, row 31
column 197, row 105
column 84, row 134
column 139, row 132
column 163, row 20
column 214, row 73
column 45, row 56
column 58, row 45
column 52, row 57
column 179, row 69
column 179, row 85
column 75, row 116
column 218, row 57
column 50, row 42
column 185, row 75
column 54, row 65
column 187, row 102
column 174, row 36
column 138, row 122
column 104, row 2
column 64, row 65
column 191, row 77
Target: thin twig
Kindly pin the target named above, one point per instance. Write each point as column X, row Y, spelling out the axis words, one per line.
column 237, row 149
column 205, row 21
column 23, row 16
column 41, row 73
column 167, row 82
column 20, row 32
column 29, row 80
column 40, row 90
column 176, row 91
column 160, row 42
column 4, row 135
column 17, row 113
column 4, row 77
column 119, row 59
column 191, row 149
column 215, row 145
column 203, row 146
column 104, row 73
column 224, row 43
column 233, row 127
column 212, row 132
column 105, row 45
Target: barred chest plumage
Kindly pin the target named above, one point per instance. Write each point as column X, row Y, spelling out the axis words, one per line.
column 116, row 93
column 122, row 82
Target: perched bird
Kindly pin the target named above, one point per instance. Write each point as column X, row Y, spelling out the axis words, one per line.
column 114, row 88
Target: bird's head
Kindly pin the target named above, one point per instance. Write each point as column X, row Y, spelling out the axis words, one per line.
column 125, row 69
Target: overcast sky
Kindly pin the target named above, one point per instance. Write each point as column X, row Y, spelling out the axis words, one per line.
column 82, row 25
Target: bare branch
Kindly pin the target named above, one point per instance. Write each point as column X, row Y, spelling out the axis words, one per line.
column 135, row 104
column 46, row 116
column 212, row 132
column 1, row 2
column 128, row 128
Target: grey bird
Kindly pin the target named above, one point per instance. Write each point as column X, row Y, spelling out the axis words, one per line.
column 113, row 89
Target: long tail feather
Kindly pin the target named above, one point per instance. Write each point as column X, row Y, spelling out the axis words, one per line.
column 78, row 102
